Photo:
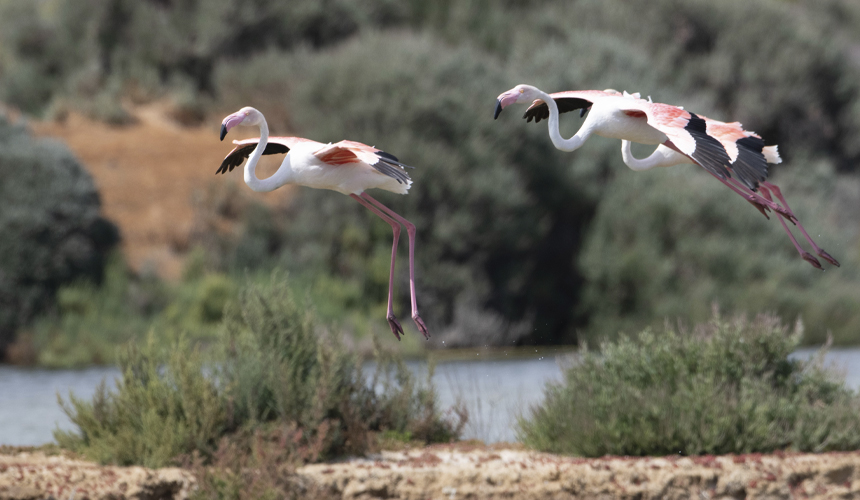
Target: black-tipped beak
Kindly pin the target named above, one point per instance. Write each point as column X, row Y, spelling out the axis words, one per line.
column 223, row 131
column 498, row 109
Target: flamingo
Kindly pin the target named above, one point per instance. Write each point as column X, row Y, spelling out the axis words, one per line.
column 722, row 149
column 347, row 167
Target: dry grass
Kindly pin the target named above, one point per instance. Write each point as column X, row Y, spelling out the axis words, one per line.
column 149, row 174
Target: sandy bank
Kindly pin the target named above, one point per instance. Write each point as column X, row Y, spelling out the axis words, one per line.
column 473, row 472
column 454, row 472
column 31, row 476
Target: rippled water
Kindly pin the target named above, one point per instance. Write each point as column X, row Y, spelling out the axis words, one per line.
column 494, row 392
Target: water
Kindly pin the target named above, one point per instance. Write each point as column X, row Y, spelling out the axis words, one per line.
column 494, row 392
column 29, row 412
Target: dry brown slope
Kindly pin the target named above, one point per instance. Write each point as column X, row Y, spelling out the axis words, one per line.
column 148, row 174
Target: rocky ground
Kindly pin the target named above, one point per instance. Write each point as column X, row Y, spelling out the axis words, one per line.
column 34, row 475
column 446, row 472
column 474, row 472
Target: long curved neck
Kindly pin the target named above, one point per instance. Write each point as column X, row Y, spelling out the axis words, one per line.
column 633, row 162
column 270, row 183
column 663, row 156
column 554, row 131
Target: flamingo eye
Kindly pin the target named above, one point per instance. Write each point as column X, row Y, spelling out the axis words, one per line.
column 522, row 90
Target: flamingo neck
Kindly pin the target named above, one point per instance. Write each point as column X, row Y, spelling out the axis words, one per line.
column 270, row 183
column 663, row 156
column 633, row 162
column 554, row 131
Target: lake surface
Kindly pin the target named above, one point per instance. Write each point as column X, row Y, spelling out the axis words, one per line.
column 494, row 391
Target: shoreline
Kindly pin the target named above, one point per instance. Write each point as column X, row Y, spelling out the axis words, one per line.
column 469, row 470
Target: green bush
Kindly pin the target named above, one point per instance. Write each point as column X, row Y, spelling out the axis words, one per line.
column 51, row 231
column 273, row 369
column 726, row 387
column 91, row 322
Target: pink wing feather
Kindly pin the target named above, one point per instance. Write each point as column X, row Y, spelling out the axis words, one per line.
column 719, row 147
column 340, row 153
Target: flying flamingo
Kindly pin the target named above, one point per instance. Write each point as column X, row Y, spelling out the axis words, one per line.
column 346, row 167
column 720, row 148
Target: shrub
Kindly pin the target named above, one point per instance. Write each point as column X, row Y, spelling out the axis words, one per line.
column 51, row 231
column 726, row 387
column 273, row 373
column 91, row 322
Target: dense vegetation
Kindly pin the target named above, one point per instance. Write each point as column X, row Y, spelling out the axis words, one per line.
column 725, row 387
column 518, row 242
column 51, row 231
column 273, row 376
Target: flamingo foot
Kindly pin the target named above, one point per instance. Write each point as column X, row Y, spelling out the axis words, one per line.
column 812, row 260
column 396, row 329
column 786, row 214
column 826, row 256
column 421, row 326
column 761, row 208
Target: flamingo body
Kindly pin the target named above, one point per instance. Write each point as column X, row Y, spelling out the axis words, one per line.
column 737, row 157
column 347, row 167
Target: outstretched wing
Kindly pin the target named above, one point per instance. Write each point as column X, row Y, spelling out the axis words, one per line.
column 570, row 100
column 745, row 149
column 344, row 152
column 243, row 149
column 721, row 148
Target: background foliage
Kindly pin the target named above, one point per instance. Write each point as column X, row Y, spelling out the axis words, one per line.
column 51, row 232
column 518, row 242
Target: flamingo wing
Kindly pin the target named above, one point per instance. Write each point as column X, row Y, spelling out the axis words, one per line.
column 345, row 152
column 687, row 133
column 570, row 100
column 745, row 149
column 243, row 149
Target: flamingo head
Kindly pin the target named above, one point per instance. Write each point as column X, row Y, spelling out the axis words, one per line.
column 245, row 116
column 523, row 94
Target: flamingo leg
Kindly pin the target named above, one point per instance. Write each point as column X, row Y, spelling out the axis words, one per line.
column 410, row 231
column 820, row 251
column 803, row 253
column 761, row 208
column 756, row 198
column 396, row 329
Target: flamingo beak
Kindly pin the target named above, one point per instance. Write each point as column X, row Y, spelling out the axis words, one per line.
column 230, row 122
column 504, row 100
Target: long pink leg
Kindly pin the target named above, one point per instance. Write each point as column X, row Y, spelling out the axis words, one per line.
column 410, row 230
column 803, row 253
column 820, row 251
column 757, row 199
column 396, row 329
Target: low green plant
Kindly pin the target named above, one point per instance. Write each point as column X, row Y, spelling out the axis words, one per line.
column 725, row 387
column 271, row 369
